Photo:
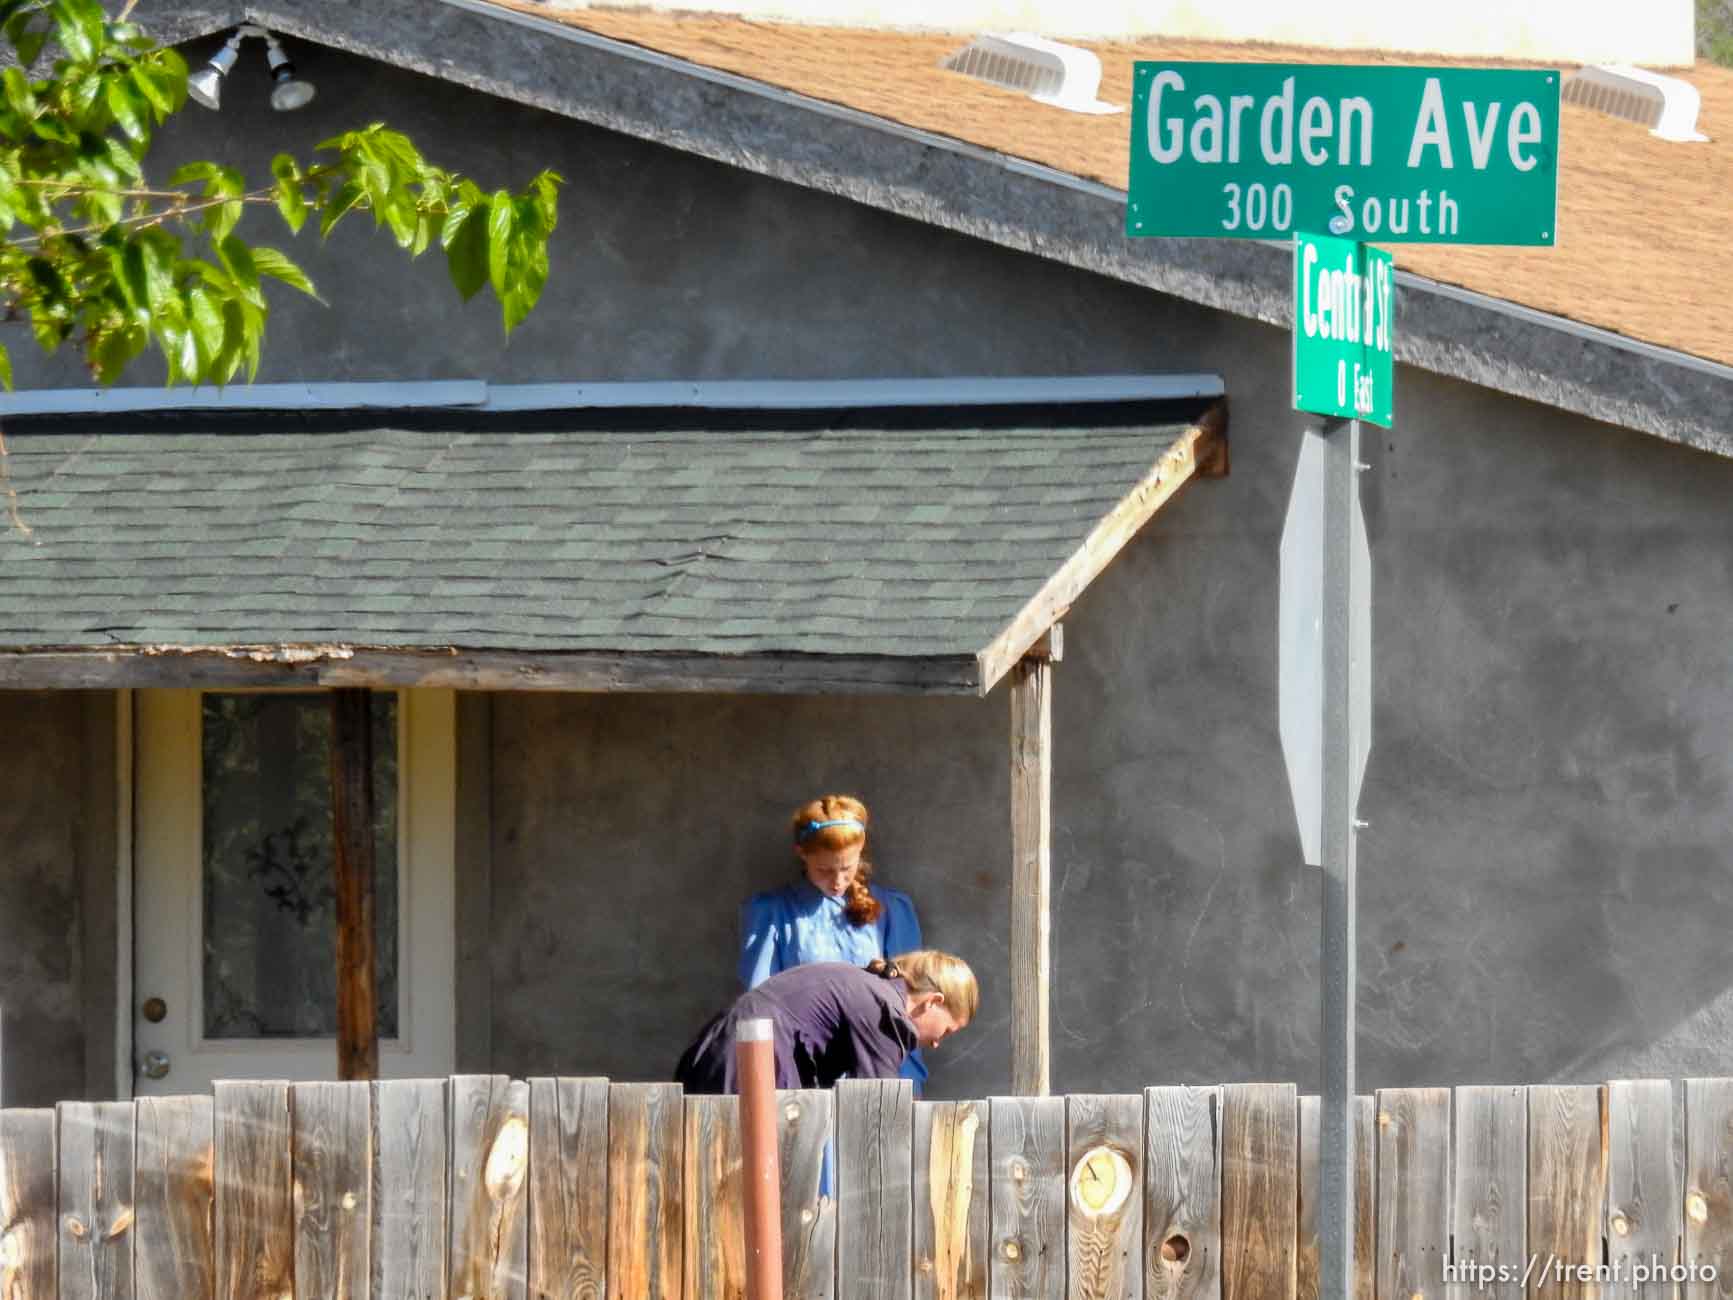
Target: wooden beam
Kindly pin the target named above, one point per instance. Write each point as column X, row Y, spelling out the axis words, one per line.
column 338, row 666
column 1031, row 872
column 1197, row 445
column 352, row 876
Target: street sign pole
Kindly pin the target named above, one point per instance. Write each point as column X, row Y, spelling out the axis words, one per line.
column 1325, row 650
column 1346, row 604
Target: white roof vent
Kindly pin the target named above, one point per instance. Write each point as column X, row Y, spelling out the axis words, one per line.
column 1049, row 72
column 1666, row 105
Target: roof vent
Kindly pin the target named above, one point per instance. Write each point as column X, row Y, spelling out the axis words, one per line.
column 1666, row 105
column 1049, row 72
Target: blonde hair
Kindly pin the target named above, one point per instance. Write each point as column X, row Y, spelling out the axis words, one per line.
column 811, row 832
column 926, row 970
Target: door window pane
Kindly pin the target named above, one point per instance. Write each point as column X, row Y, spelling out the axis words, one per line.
column 270, row 907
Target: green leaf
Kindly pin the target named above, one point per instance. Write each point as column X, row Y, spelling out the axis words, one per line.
column 19, row 97
column 457, row 212
column 147, row 81
column 222, row 219
column 346, row 197
column 109, row 355
column 291, row 197
column 423, row 234
column 79, row 92
column 292, row 204
column 27, row 36
column 187, row 173
column 5, row 367
column 228, row 361
column 159, row 281
column 78, row 26
column 119, row 94
column 544, row 192
column 513, row 308
column 466, row 252
column 500, row 231
column 207, row 323
column 122, row 159
column 237, row 259
column 132, row 277
column 272, row 262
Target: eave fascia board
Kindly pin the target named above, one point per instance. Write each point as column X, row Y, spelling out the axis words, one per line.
column 333, row 665
column 742, row 394
column 1447, row 330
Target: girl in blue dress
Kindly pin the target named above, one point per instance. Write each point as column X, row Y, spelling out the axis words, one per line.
column 833, row 912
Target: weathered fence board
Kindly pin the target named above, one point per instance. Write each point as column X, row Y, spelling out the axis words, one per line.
column 174, row 1182
column 1104, row 1237
column 951, row 1174
column 94, row 1155
column 410, row 1215
column 1566, row 1189
column 490, row 1138
column 1365, row 1198
column 254, row 1216
column 333, row 1173
column 1306, row 1253
column 1489, row 1207
column 1260, row 1156
column 874, row 1150
column 715, row 1220
column 1709, row 1186
column 645, row 1219
column 804, row 1131
column 27, row 1195
column 1413, row 1231
column 1643, row 1209
column 568, row 1209
column 1182, row 1209
column 1027, row 1198
column 482, row 1188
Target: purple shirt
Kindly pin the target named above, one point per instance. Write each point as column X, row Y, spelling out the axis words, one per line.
column 831, row 1019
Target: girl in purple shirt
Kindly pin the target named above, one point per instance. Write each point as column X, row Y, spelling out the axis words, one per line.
column 833, row 1020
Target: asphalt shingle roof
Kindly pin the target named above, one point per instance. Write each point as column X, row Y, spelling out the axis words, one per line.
column 1636, row 244
column 856, row 541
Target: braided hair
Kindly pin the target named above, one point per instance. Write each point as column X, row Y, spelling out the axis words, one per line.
column 835, row 822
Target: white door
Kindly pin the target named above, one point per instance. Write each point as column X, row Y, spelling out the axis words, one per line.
column 234, row 917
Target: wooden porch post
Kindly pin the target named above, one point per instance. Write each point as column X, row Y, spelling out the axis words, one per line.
column 1031, row 862
column 352, row 842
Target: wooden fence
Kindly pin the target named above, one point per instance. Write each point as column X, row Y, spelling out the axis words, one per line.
column 480, row 1187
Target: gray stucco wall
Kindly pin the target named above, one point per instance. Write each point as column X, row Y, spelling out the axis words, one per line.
column 1545, row 882
column 1545, row 886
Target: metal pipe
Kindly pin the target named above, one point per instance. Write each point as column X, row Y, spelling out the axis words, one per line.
column 761, row 1169
column 1346, row 600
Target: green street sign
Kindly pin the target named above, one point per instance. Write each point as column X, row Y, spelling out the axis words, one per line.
column 1344, row 293
column 1396, row 155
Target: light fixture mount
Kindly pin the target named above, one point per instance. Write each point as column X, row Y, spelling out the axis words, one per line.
column 288, row 92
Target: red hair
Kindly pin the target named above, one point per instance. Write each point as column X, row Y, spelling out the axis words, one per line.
column 848, row 818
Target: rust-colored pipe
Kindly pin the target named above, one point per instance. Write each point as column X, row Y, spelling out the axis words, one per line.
column 761, row 1167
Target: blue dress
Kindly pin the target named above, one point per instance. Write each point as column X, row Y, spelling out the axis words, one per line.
column 799, row 924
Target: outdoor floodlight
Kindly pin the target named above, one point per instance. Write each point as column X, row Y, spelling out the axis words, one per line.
column 288, row 92
column 206, row 85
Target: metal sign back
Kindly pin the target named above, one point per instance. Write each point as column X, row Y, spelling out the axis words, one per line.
column 1306, row 569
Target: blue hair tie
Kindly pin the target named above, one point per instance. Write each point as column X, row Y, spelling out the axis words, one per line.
column 810, row 828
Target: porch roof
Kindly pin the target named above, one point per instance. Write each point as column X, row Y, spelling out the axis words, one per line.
column 843, row 548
